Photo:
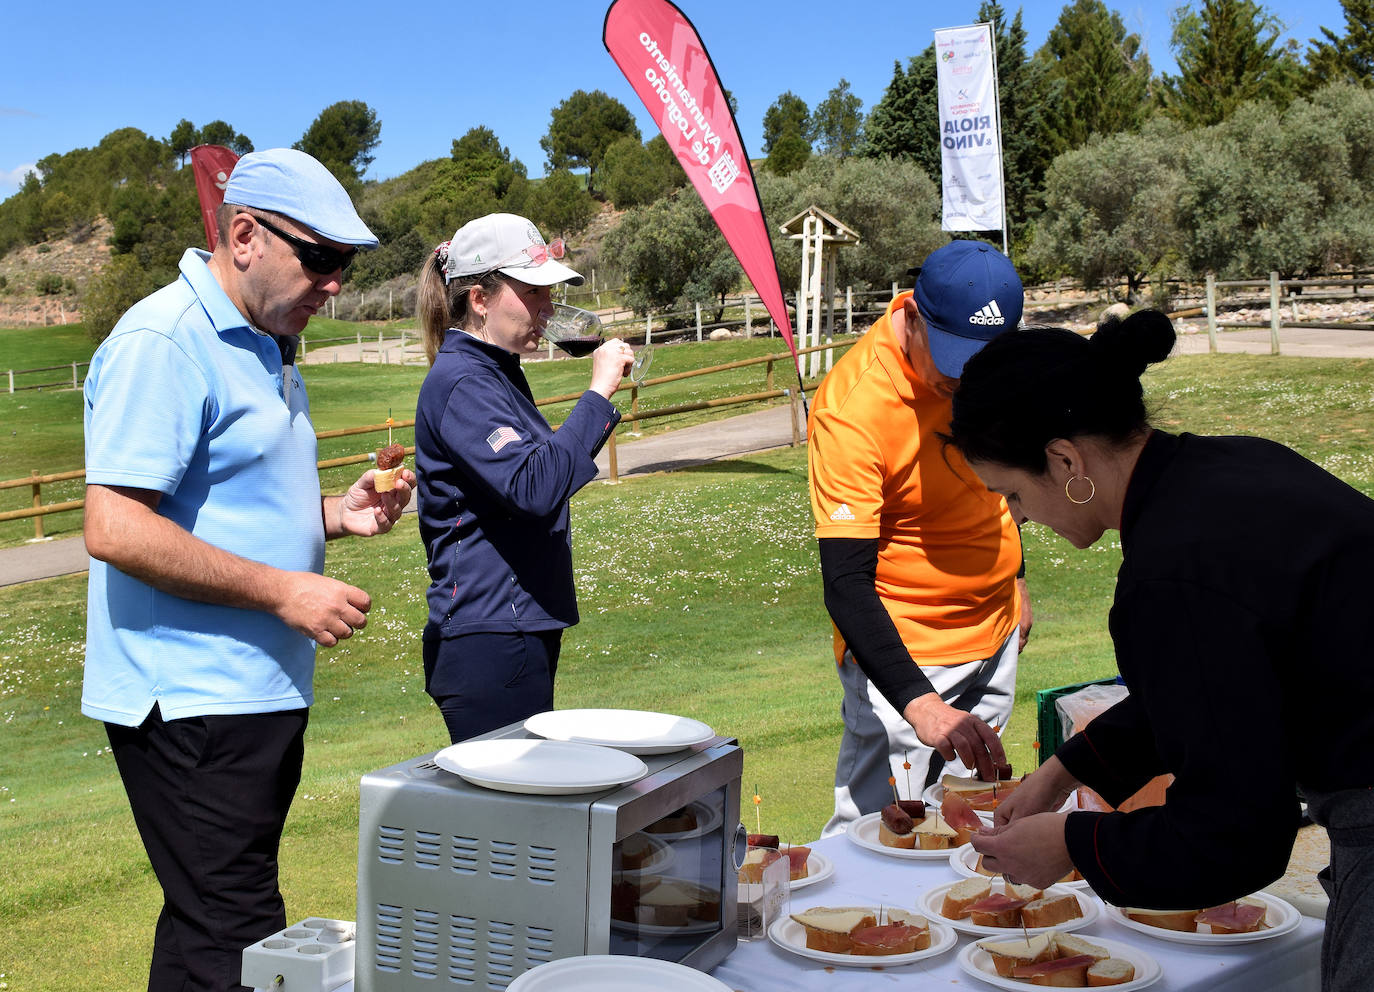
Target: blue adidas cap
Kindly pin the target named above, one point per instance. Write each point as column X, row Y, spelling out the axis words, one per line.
column 295, row 185
column 968, row 293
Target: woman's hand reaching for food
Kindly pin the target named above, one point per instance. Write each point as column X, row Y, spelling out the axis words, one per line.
column 1042, row 791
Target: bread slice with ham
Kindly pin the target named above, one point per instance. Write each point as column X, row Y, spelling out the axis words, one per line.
column 891, row 938
column 1242, row 916
column 1063, row 973
column 828, row 928
column 1183, row 920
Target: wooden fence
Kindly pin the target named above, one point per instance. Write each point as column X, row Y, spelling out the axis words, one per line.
column 1291, row 291
column 35, row 482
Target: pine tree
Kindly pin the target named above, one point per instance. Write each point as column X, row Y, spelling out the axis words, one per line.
column 1350, row 57
column 1228, row 53
column 1097, row 78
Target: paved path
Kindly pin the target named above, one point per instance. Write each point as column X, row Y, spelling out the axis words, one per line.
column 726, row 438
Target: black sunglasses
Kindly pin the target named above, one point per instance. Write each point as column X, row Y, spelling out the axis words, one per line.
column 318, row 258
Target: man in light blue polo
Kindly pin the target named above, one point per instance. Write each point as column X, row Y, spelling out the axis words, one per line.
column 206, row 530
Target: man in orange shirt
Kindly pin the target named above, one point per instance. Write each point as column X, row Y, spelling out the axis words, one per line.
column 919, row 560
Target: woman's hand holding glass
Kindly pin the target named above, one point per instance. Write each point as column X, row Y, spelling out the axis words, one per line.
column 610, row 364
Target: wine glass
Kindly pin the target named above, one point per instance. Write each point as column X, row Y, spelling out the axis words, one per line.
column 643, row 359
column 574, row 330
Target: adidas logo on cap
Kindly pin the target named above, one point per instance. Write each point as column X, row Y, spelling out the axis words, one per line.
column 990, row 314
column 842, row 512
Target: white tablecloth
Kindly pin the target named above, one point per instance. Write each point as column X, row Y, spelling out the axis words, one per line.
column 1289, row 963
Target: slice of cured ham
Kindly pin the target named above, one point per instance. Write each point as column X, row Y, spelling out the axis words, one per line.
column 959, row 814
column 1233, row 917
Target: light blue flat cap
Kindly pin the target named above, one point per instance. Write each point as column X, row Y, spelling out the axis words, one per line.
column 296, row 185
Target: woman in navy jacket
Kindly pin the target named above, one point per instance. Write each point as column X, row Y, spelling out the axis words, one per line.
column 495, row 478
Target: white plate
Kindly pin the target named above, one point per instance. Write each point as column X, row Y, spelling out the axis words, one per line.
column 864, row 832
column 535, row 767
column 1281, row 916
column 634, row 731
column 931, row 899
column 978, row 963
column 708, row 818
column 818, row 869
column 790, row 935
column 614, row 973
column 964, row 859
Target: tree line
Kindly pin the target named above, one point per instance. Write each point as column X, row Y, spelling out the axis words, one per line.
column 1255, row 156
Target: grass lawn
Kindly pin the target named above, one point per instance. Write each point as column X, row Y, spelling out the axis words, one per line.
column 43, row 428
column 699, row 592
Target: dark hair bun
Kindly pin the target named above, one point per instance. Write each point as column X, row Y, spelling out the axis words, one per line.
column 1133, row 344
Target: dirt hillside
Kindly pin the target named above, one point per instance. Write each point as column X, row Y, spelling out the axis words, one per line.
column 74, row 262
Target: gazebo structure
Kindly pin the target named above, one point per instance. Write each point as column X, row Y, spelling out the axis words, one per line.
column 820, row 234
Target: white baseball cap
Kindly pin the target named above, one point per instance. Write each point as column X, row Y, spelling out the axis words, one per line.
column 508, row 244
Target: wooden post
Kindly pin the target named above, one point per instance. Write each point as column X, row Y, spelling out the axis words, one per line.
column 769, row 380
column 1274, row 318
column 794, row 396
column 849, row 309
column 610, row 453
column 748, row 316
column 1211, row 313
column 75, row 383
column 648, row 328
column 698, row 309
column 634, row 400
column 11, row 380
column 37, row 504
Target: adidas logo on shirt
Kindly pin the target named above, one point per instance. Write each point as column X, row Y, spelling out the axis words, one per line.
column 989, row 314
column 842, row 512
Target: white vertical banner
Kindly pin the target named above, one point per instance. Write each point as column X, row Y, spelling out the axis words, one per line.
column 970, row 129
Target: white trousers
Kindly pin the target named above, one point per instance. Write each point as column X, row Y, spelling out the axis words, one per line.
column 877, row 739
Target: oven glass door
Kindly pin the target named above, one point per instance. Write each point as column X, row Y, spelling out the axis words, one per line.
column 666, row 882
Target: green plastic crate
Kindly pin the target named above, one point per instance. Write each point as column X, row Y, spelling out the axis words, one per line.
column 1049, row 734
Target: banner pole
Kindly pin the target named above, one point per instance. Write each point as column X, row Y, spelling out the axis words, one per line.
column 1001, row 153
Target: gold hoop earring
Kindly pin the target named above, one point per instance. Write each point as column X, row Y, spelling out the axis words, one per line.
column 1092, row 490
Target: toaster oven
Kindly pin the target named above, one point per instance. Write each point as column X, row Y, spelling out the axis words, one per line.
column 468, row 887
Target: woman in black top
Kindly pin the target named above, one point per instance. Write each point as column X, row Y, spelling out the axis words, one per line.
column 1240, row 625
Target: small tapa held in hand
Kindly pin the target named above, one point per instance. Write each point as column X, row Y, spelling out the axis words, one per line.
column 389, row 461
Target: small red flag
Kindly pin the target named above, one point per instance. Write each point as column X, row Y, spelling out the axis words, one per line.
column 212, row 165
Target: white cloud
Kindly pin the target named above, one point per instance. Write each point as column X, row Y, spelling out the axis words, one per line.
column 12, row 179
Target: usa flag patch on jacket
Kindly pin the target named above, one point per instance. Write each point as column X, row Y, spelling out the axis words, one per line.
column 501, row 437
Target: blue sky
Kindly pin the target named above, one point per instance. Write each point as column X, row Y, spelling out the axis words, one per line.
column 73, row 72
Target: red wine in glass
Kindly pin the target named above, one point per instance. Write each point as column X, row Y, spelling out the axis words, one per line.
column 579, row 347
column 576, row 331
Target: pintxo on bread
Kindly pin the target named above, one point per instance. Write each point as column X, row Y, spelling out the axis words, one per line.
column 982, row 795
column 1058, row 960
column 1017, row 906
column 863, row 930
column 1242, row 916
